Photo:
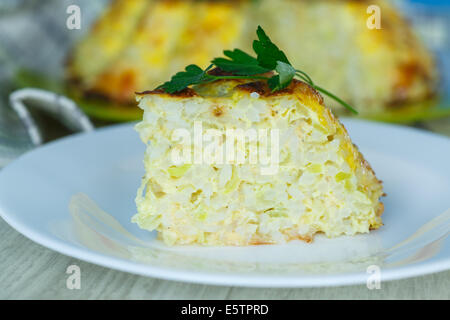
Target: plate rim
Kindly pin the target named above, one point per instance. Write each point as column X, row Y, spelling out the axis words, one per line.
column 215, row 278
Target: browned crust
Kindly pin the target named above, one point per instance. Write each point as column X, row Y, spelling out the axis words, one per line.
column 307, row 239
column 259, row 86
column 263, row 89
column 307, row 90
column 185, row 93
column 380, row 208
column 260, row 243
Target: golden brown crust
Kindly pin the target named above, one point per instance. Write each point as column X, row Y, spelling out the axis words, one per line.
column 263, row 89
column 258, row 86
column 307, row 239
column 303, row 89
column 185, row 93
column 380, row 208
column 309, row 91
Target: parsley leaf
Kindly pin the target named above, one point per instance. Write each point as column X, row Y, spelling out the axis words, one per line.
column 243, row 66
column 192, row 75
column 267, row 52
column 286, row 72
column 274, row 83
column 271, row 57
column 240, row 63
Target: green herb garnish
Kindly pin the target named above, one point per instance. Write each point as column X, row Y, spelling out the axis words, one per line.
column 269, row 58
column 239, row 63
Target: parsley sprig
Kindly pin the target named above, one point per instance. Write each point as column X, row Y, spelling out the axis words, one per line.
column 269, row 58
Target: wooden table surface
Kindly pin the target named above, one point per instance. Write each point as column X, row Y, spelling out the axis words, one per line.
column 30, row 271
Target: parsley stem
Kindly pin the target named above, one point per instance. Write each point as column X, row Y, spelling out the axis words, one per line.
column 244, row 66
column 307, row 79
column 304, row 79
column 304, row 74
column 335, row 98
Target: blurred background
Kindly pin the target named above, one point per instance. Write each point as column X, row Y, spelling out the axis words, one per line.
column 389, row 59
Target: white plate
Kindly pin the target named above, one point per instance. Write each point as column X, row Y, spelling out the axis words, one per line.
column 76, row 196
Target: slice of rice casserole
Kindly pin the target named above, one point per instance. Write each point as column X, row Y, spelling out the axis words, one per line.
column 321, row 184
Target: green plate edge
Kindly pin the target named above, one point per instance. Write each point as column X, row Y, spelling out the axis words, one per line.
column 95, row 108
